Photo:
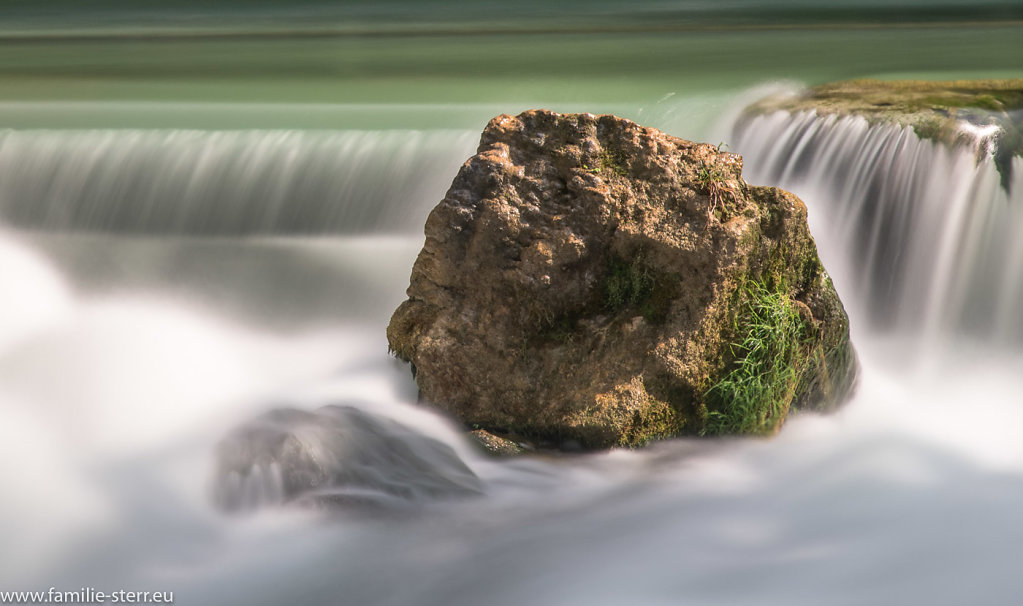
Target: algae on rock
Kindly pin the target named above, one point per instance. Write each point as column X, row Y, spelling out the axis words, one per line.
column 584, row 280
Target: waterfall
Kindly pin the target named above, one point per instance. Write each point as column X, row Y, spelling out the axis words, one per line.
column 189, row 182
column 918, row 235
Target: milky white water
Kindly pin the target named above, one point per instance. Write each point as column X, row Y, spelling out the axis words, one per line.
column 129, row 346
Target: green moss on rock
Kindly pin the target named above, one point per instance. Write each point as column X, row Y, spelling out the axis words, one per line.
column 635, row 284
column 770, row 355
column 602, row 308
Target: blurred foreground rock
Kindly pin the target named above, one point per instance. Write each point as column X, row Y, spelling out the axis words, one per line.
column 336, row 456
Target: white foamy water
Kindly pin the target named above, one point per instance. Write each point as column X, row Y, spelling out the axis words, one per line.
column 923, row 234
column 137, row 355
column 32, row 293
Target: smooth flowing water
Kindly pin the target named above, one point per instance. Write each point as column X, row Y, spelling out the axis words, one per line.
column 197, row 231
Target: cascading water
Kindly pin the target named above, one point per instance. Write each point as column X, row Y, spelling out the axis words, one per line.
column 125, row 359
column 188, row 182
column 927, row 232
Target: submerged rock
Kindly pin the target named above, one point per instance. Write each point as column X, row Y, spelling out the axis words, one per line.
column 984, row 114
column 495, row 445
column 588, row 280
column 335, row 456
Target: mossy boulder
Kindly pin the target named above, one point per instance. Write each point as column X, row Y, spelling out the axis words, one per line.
column 592, row 281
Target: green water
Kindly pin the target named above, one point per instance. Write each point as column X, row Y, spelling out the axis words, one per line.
column 445, row 80
column 136, row 330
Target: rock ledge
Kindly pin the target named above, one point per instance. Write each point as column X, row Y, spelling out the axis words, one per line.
column 984, row 114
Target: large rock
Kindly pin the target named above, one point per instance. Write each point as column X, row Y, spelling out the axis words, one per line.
column 589, row 280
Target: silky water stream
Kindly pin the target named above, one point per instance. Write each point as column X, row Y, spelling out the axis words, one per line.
column 138, row 327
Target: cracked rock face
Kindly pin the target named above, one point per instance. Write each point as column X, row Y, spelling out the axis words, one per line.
column 585, row 277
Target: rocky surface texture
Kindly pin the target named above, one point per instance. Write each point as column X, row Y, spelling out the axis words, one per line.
column 986, row 114
column 590, row 281
column 495, row 445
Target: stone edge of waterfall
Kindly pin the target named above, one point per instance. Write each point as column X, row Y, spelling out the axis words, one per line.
column 985, row 115
column 588, row 282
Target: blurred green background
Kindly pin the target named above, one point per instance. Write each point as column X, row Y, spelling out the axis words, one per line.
column 451, row 64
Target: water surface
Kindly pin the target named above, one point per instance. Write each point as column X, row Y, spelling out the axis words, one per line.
column 209, row 210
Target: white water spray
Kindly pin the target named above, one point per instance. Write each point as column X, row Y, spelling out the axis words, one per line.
column 922, row 235
column 33, row 295
column 909, row 494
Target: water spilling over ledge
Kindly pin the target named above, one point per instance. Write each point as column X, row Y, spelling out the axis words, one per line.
column 929, row 232
column 131, row 346
column 229, row 183
column 983, row 115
